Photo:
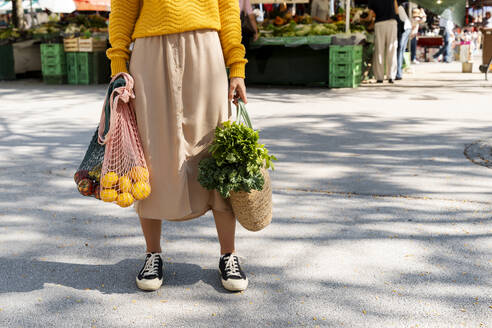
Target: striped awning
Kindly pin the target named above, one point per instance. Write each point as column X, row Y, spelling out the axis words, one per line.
column 97, row 5
column 59, row 6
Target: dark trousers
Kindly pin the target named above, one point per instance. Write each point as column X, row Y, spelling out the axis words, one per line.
column 413, row 48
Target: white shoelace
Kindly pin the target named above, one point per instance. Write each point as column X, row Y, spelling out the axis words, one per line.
column 232, row 266
column 151, row 265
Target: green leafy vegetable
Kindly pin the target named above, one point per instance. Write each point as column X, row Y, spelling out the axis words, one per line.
column 236, row 162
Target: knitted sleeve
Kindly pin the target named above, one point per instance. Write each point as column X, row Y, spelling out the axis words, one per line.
column 121, row 24
column 230, row 37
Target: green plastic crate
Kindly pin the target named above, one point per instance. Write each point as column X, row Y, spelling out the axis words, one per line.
column 52, row 50
column 7, row 70
column 72, row 76
column 85, row 67
column 345, row 54
column 345, row 69
column 88, row 67
column 55, row 79
column 53, row 60
column 54, row 69
column 345, row 81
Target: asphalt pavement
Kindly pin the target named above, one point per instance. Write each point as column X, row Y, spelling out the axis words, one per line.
column 380, row 220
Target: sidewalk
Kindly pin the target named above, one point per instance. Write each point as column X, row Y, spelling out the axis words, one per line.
column 380, row 220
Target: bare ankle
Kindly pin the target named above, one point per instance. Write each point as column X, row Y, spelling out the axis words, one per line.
column 227, row 251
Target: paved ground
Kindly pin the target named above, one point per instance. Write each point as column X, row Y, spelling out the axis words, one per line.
column 380, row 220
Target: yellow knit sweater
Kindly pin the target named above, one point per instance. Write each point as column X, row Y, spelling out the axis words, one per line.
column 131, row 19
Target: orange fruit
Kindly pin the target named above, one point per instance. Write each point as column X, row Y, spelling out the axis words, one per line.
column 109, row 180
column 125, row 184
column 125, row 199
column 141, row 190
column 108, row 195
column 139, row 173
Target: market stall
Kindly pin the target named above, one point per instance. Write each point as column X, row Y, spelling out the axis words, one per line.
column 294, row 49
column 45, row 47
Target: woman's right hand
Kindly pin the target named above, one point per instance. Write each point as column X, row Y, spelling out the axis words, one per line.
column 237, row 90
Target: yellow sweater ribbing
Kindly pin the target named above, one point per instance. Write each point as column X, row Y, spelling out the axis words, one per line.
column 131, row 19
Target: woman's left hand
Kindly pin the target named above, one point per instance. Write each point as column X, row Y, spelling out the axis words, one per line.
column 237, row 90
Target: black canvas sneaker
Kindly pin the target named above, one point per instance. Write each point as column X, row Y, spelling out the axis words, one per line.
column 150, row 276
column 232, row 277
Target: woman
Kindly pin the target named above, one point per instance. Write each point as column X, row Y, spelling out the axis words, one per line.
column 403, row 39
column 320, row 11
column 178, row 62
column 248, row 18
column 418, row 17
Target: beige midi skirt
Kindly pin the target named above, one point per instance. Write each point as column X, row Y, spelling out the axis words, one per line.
column 180, row 98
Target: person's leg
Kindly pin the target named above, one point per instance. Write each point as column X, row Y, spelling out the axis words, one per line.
column 386, row 49
column 392, row 47
column 399, row 57
column 413, row 49
column 232, row 276
column 442, row 49
column 378, row 58
column 152, row 233
column 448, row 55
column 401, row 52
column 225, row 222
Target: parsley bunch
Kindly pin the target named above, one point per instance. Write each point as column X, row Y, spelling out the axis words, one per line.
column 236, row 162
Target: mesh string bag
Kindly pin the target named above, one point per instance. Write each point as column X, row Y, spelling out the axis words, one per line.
column 122, row 175
column 88, row 174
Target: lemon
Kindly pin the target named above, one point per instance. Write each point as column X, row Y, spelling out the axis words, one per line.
column 108, row 195
column 109, row 180
column 125, row 199
column 141, row 190
column 139, row 173
column 125, row 184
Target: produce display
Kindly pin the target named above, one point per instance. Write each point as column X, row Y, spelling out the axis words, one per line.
column 286, row 25
column 75, row 26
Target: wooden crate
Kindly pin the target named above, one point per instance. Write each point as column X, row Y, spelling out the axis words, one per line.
column 71, row 45
column 91, row 45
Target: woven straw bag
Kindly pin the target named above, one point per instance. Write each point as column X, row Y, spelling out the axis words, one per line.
column 252, row 209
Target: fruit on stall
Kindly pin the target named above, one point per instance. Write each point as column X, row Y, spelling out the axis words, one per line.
column 286, row 25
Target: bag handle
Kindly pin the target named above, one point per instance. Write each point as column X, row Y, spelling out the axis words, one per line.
column 242, row 114
column 122, row 89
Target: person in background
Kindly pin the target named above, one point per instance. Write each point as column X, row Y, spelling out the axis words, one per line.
column 446, row 27
column 386, row 38
column 320, row 11
column 3, row 21
column 418, row 17
column 487, row 22
column 403, row 40
column 247, row 14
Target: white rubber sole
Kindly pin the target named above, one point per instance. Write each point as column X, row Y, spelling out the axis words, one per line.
column 149, row 285
column 234, row 285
